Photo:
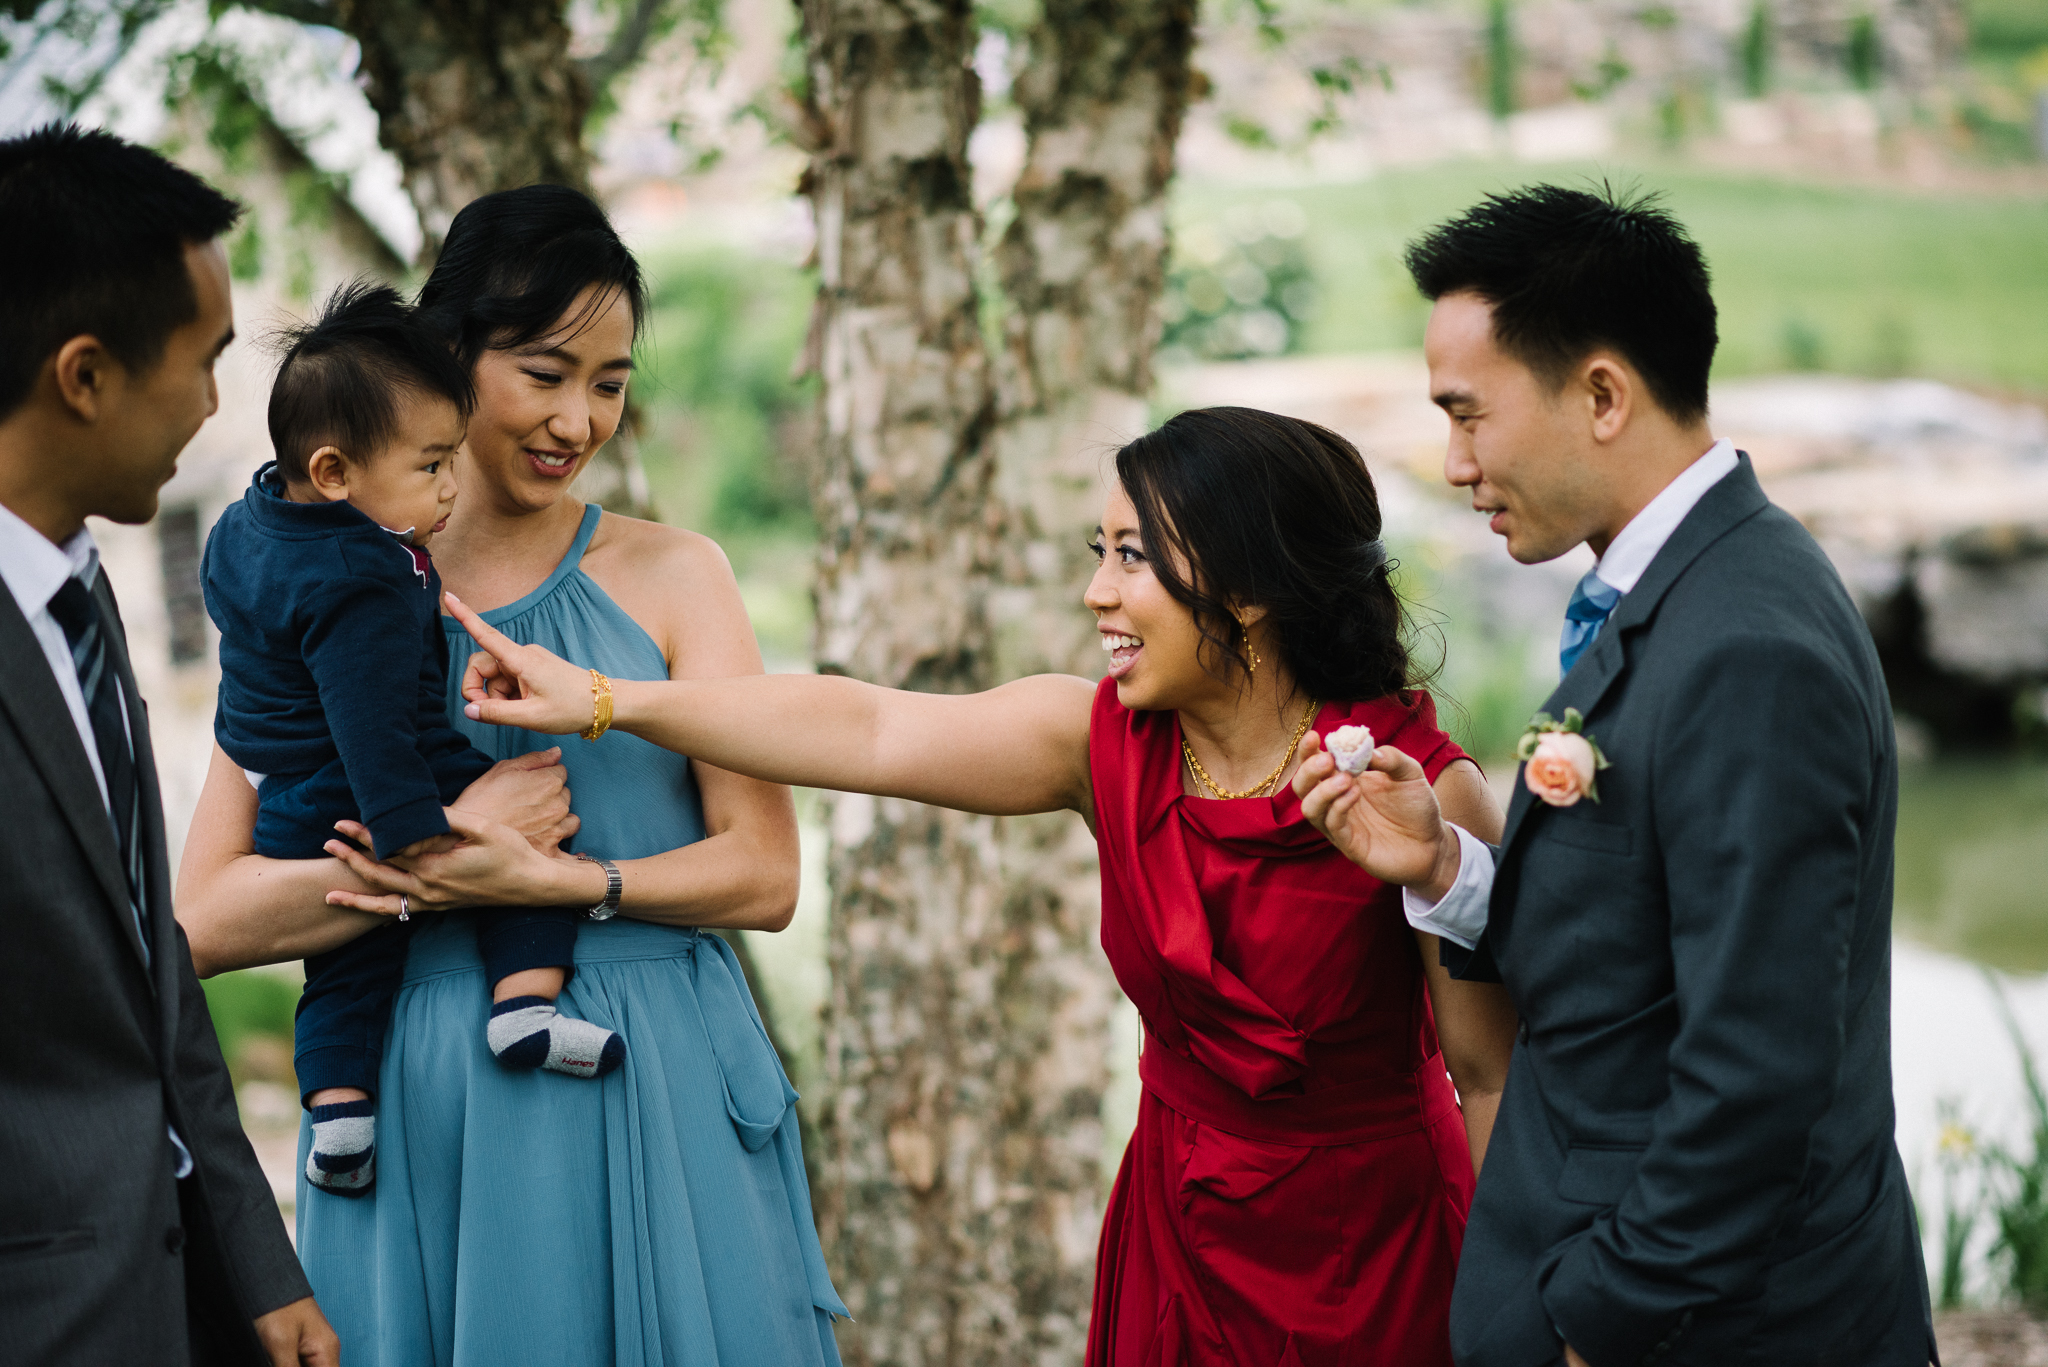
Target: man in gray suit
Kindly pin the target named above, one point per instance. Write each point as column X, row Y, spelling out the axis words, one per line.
column 1691, row 906
column 135, row 1224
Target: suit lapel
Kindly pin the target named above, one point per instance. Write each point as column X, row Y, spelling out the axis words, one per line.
column 1734, row 500
column 1583, row 688
column 29, row 696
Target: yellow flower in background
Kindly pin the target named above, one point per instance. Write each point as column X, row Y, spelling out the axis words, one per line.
column 2034, row 70
column 1957, row 1141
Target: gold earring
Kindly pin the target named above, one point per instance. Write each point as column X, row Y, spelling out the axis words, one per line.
column 1252, row 656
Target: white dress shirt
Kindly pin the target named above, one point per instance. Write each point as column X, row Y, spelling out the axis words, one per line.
column 35, row 568
column 1461, row 916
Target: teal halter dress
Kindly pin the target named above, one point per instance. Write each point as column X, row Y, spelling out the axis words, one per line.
column 658, row 1217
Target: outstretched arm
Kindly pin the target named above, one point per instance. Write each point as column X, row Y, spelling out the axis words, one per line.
column 1012, row 750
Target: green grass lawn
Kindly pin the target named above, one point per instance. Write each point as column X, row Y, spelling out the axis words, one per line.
column 1861, row 281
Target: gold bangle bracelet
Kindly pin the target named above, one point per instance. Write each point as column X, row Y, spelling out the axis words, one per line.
column 600, row 706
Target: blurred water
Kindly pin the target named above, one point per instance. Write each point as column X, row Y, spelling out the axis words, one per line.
column 1971, row 909
column 1973, row 861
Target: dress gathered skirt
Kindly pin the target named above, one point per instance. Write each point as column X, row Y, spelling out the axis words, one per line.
column 657, row 1217
column 1296, row 1189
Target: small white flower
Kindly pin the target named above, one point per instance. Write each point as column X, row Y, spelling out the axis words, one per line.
column 1351, row 747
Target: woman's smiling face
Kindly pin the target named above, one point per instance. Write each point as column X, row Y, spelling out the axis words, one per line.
column 544, row 408
column 1150, row 635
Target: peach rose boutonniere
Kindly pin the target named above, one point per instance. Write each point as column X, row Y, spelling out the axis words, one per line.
column 1560, row 761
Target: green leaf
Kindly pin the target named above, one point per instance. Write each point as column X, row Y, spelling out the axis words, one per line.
column 1599, row 755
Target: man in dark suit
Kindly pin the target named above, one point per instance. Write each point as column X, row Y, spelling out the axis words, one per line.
column 135, row 1224
column 1694, row 1158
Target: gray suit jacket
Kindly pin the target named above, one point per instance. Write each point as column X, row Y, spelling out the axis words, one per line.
column 1694, row 1160
column 104, row 1256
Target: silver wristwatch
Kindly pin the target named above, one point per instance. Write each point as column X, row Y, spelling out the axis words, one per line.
column 613, row 886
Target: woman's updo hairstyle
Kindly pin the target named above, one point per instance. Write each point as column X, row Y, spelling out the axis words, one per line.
column 514, row 263
column 1279, row 513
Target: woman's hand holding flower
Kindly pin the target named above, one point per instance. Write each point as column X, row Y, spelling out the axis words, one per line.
column 1385, row 819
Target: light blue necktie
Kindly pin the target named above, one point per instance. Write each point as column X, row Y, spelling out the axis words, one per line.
column 1592, row 602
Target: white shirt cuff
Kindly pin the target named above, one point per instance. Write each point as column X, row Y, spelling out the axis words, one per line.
column 1461, row 916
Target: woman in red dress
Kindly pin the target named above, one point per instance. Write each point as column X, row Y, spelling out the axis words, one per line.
column 1296, row 1189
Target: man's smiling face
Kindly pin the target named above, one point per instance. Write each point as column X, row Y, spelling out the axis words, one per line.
column 1514, row 443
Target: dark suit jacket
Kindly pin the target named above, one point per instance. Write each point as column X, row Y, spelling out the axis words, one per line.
column 104, row 1256
column 1694, row 1159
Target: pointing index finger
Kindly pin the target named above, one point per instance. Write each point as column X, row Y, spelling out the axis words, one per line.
column 483, row 633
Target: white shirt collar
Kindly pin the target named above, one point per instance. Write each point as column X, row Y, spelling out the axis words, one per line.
column 34, row 568
column 1631, row 552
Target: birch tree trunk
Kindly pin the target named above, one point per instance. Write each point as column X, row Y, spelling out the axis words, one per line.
column 965, row 1034
column 471, row 96
column 926, row 1198
column 1082, row 266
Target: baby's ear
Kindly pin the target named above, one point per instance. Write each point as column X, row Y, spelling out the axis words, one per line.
column 327, row 472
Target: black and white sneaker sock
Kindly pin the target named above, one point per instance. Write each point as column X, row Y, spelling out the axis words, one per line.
column 527, row 1032
column 344, row 1156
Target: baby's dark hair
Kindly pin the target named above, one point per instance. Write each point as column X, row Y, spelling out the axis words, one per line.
column 342, row 374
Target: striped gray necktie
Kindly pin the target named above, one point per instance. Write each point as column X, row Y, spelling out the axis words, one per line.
column 79, row 615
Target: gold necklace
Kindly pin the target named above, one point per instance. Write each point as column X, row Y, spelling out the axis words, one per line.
column 1257, row 789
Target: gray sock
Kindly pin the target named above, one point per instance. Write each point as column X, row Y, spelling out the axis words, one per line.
column 344, row 1155
column 527, row 1032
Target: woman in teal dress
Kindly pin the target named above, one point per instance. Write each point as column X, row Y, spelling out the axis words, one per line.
column 658, row 1216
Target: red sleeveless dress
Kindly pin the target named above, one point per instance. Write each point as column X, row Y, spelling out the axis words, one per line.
column 1296, row 1190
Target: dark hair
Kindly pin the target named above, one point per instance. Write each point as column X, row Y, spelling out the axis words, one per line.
column 1279, row 513
column 342, row 373
column 515, row 261
column 93, row 232
column 1567, row 271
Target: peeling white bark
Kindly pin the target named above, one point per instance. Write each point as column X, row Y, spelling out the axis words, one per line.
column 966, row 1030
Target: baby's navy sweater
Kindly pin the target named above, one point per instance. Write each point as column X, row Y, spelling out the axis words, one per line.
column 331, row 648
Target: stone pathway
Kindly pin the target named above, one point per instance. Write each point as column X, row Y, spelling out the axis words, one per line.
column 1991, row 1338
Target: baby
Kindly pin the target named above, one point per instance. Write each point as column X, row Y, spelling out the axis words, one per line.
column 333, row 679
